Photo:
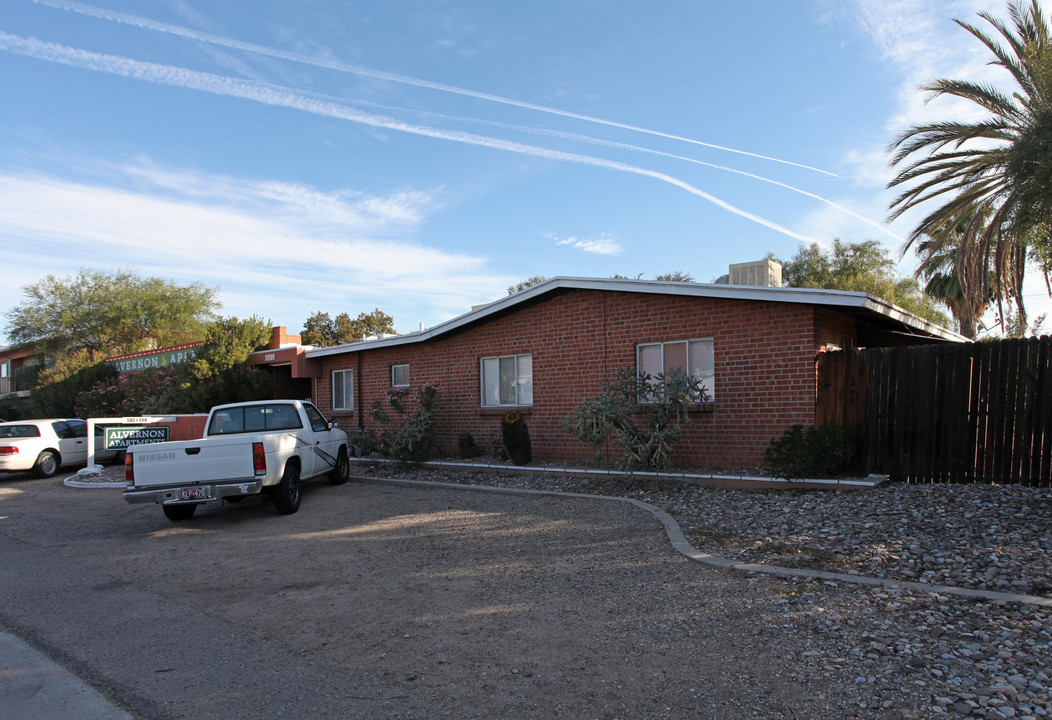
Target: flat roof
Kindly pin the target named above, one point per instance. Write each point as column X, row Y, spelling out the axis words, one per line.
column 856, row 302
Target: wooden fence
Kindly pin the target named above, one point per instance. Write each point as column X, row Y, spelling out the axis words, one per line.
column 967, row 413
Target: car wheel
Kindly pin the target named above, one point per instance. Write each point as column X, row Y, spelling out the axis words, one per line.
column 46, row 464
column 176, row 513
column 340, row 473
column 287, row 493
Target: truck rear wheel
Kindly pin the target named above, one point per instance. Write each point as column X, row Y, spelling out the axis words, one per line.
column 339, row 474
column 287, row 492
column 177, row 513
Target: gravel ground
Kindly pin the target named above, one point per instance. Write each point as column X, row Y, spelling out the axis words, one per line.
column 892, row 652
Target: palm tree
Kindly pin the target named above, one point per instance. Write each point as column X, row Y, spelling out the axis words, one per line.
column 993, row 177
column 938, row 267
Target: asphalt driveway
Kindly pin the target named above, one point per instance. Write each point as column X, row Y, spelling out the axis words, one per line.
column 383, row 601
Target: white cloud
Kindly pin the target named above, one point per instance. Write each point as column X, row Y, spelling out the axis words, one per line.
column 599, row 245
column 919, row 41
column 328, row 62
column 922, row 42
column 272, row 248
column 342, row 208
column 280, row 96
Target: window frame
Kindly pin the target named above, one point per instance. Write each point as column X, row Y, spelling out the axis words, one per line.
column 395, row 384
column 343, row 379
column 708, row 373
column 519, row 401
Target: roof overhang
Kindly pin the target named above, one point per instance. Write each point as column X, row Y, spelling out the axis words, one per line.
column 860, row 303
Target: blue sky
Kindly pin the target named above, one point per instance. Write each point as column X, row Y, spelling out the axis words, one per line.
column 421, row 157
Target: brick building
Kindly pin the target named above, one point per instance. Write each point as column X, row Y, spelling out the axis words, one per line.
column 545, row 349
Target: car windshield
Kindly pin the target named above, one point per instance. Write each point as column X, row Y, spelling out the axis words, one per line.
column 19, row 431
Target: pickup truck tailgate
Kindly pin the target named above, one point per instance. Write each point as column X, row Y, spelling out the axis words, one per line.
column 193, row 461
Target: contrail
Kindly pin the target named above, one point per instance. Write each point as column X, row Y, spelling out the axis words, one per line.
column 637, row 148
column 147, row 24
column 287, row 97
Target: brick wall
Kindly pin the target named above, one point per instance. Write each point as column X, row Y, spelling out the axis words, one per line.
column 764, row 369
column 186, row 427
column 834, row 329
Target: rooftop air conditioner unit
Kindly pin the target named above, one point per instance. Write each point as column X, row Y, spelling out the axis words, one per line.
column 765, row 273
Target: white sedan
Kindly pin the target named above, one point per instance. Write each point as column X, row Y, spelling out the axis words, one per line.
column 44, row 446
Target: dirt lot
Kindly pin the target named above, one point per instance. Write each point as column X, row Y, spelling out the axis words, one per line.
column 381, row 601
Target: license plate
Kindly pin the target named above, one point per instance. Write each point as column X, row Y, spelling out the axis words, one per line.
column 193, row 493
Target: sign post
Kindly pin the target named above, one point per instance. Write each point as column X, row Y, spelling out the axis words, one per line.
column 123, row 437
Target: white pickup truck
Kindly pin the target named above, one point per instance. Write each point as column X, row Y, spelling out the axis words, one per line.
column 267, row 447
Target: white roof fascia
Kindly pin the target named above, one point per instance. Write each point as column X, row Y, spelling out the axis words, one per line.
column 803, row 296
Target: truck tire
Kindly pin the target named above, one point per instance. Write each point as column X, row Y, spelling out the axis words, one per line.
column 339, row 474
column 178, row 513
column 287, row 492
column 46, row 464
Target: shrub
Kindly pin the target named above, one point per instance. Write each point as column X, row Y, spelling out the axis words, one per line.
column 104, row 399
column 407, row 433
column 662, row 401
column 60, row 397
column 516, row 437
column 153, row 391
column 467, row 446
column 811, row 452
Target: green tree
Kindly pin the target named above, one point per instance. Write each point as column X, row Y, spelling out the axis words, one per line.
column 859, row 267
column 675, row 276
column 109, row 313
column 997, row 168
column 218, row 373
column 320, row 329
column 67, row 367
column 519, row 287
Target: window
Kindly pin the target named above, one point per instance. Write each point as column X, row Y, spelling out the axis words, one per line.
column 507, row 380
column 62, row 430
column 17, row 431
column 318, row 423
column 79, row 428
column 399, row 376
column 254, row 418
column 343, row 389
column 694, row 356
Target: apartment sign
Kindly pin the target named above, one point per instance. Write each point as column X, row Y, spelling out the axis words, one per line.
column 153, row 360
column 120, row 438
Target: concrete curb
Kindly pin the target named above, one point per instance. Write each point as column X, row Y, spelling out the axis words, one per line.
column 70, row 482
column 680, row 544
column 717, row 480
